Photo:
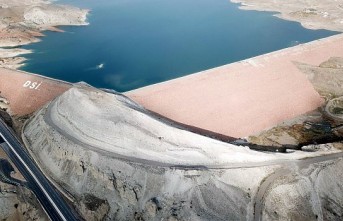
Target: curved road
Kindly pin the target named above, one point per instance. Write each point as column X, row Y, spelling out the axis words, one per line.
column 52, row 202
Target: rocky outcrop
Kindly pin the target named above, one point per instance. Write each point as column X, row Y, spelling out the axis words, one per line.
column 313, row 193
column 326, row 78
column 334, row 109
column 18, row 203
column 324, row 125
column 54, row 15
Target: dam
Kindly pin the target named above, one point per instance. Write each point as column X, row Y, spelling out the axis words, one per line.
column 243, row 98
column 231, row 101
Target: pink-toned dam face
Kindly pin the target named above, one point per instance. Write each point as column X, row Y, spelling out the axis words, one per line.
column 235, row 100
column 27, row 93
column 243, row 98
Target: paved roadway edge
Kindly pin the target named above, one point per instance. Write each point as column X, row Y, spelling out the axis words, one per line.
column 33, row 175
column 64, row 192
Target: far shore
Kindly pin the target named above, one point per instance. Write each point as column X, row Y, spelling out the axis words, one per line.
column 22, row 23
column 323, row 14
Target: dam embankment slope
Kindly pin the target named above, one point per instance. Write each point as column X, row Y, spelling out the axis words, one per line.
column 243, row 98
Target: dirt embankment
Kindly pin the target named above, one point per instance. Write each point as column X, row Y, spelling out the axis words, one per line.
column 21, row 22
column 315, row 14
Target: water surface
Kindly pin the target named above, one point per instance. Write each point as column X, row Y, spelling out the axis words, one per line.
column 134, row 43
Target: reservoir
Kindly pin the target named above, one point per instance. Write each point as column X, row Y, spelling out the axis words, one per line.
column 134, row 43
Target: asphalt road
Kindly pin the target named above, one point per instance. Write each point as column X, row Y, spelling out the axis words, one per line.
column 51, row 200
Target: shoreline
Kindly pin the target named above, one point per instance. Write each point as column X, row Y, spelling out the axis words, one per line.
column 62, row 15
column 23, row 22
column 315, row 15
column 14, row 34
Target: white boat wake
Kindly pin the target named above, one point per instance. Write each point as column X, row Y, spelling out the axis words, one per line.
column 97, row 67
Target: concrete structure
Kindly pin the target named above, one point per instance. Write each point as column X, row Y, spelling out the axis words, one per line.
column 231, row 101
column 27, row 92
column 245, row 97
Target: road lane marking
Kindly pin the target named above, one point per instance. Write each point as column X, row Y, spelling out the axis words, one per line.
column 34, row 177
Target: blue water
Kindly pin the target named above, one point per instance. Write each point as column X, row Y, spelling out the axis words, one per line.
column 134, row 43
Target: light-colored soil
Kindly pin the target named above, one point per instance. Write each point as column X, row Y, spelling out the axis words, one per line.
column 314, row 14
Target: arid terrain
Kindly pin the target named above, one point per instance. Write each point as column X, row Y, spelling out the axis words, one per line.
column 21, row 22
column 116, row 158
column 147, row 168
column 320, row 125
column 314, row 14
